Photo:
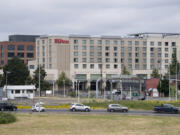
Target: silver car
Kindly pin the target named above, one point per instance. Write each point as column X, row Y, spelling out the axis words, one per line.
column 79, row 107
column 116, row 107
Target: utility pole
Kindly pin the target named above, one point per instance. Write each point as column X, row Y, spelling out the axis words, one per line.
column 64, row 87
column 176, row 81
column 169, row 84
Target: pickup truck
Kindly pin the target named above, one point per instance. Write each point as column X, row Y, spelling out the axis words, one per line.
column 166, row 108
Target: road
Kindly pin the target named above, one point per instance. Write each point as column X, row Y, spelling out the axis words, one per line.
column 131, row 112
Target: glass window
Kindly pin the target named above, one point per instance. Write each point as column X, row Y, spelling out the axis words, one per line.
column 159, row 49
column 129, row 66
column 11, row 47
column 115, row 60
column 91, row 42
column 136, row 66
column 83, row 42
column 129, row 48
column 107, row 66
column 122, row 42
column 43, row 42
column 136, row 60
column 92, row 48
column 173, row 43
column 122, row 49
column 92, row 60
column 75, row 47
column 115, row 54
column 136, row 42
column 75, row 59
column 84, row 66
column 115, row 66
column 144, row 66
column 30, row 48
column 21, row 55
column 99, row 42
column 83, row 59
column 129, row 60
column 11, row 54
column 122, row 54
column 75, row 53
column 30, row 55
column 166, row 43
column 144, row 49
column 130, row 54
column 83, row 53
column 136, row 48
column 129, row 42
column 31, row 66
column 144, row 54
column 75, row 41
column 115, row 48
column 152, row 49
column 166, row 66
column 152, row 54
column 166, row 49
column 91, row 53
column 152, row 60
column 83, row 47
column 152, row 66
column 115, row 42
column 99, row 66
column 20, row 47
column 144, row 43
column 107, row 59
column 99, row 53
column 122, row 60
column 107, row 48
column 91, row 66
column 99, row 48
column 166, row 60
column 99, row 59
column 76, row 66
column 106, row 54
column 159, row 43
column 107, row 42
column 159, row 54
column 144, row 60
column 152, row 43
column 166, row 55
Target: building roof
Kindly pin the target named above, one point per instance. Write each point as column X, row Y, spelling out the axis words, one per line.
column 19, row 87
column 154, row 33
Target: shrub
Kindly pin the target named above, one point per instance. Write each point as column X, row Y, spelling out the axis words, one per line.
column 6, row 118
column 72, row 94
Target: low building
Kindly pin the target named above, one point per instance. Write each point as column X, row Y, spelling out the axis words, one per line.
column 19, row 91
column 151, row 86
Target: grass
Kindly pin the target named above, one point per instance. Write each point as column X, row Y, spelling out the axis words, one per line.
column 74, row 124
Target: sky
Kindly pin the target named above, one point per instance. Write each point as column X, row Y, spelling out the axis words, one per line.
column 88, row 17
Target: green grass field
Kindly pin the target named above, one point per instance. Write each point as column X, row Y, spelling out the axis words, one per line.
column 74, row 124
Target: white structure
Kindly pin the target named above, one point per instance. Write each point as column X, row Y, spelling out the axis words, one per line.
column 19, row 91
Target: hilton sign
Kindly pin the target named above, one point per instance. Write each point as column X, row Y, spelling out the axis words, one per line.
column 61, row 41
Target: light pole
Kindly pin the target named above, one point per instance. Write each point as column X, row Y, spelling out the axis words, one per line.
column 39, row 83
column 64, row 87
column 7, row 72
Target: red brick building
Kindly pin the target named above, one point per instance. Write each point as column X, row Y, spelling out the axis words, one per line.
column 152, row 83
column 24, row 50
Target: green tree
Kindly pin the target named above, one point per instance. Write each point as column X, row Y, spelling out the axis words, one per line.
column 43, row 84
column 163, row 86
column 16, row 71
column 61, row 79
column 155, row 73
column 174, row 63
column 125, row 72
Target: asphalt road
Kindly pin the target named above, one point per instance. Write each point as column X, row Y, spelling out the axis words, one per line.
column 130, row 112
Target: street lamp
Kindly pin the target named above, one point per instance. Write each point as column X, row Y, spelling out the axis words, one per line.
column 64, row 87
column 7, row 72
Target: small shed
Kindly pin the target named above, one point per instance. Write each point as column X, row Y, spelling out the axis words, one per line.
column 19, row 91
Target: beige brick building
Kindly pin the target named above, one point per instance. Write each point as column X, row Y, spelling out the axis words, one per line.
column 86, row 58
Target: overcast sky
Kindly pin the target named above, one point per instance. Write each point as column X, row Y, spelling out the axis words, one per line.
column 89, row 17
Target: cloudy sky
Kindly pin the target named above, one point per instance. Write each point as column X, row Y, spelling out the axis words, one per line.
column 89, row 17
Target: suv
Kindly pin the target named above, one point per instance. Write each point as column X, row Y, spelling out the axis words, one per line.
column 7, row 107
column 79, row 107
column 116, row 107
column 38, row 107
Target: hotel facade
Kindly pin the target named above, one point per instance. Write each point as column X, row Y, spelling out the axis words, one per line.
column 89, row 58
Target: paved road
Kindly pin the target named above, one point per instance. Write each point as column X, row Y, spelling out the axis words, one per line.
column 131, row 112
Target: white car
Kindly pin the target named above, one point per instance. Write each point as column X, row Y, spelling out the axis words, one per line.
column 38, row 107
column 79, row 107
column 117, row 107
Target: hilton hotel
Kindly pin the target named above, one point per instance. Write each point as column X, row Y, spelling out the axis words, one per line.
column 86, row 58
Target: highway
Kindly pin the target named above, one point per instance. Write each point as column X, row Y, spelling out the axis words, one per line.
column 130, row 112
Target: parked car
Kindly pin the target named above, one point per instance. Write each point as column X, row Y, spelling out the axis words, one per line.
column 38, row 107
column 79, row 107
column 142, row 98
column 166, row 108
column 116, row 107
column 7, row 107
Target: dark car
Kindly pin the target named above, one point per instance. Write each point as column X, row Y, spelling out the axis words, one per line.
column 168, row 108
column 7, row 107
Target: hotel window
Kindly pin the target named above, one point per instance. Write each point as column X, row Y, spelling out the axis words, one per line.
column 37, row 42
column 129, row 60
column 159, row 61
column 152, row 66
column 92, row 60
column 91, row 42
column 99, row 53
column 122, row 66
column 144, row 60
column 30, row 55
column 136, row 48
column 122, row 42
column 107, row 59
column 152, row 49
column 30, row 48
column 107, row 42
column 159, row 49
column 75, row 47
column 75, row 41
column 159, row 54
column 99, row 48
column 11, row 47
column 84, row 66
column 152, row 54
column 75, row 53
column 21, row 55
column 115, row 54
column 91, row 66
column 129, row 48
column 92, row 48
column 11, row 54
column 106, row 54
column 83, row 59
column 144, row 43
column 174, row 49
column 50, row 59
column 136, row 60
column 152, row 60
column 50, row 41
column 130, row 43
column 107, row 66
column 99, row 60
column 75, row 59
column 122, row 49
column 129, row 66
column 122, row 60
column 84, row 42
column 115, row 48
column 130, row 54
column 136, row 66
column 99, row 42
column 136, row 42
column 115, row 60
column 173, row 43
column 76, row 66
column 99, row 66
column 91, row 53
column 144, row 49
column 43, row 42
column 83, row 53
column 144, row 54
column 166, row 49
column 31, row 66
column 166, row 66
column 166, row 60
column 50, row 66
column 144, row 66
column 166, row 43
column 122, row 54
column 136, row 54
column 152, row 43
column 107, row 48
column 115, row 66
column 166, row 55
column 115, row 42
column 159, row 43
column 83, row 47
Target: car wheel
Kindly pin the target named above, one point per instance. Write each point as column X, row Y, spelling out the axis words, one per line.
column 14, row 109
column 111, row 110
column 73, row 109
column 87, row 110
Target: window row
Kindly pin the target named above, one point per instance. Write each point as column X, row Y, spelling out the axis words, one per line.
column 20, row 47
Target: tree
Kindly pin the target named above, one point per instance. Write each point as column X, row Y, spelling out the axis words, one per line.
column 125, row 72
column 163, row 86
column 61, row 79
column 174, row 63
column 43, row 84
column 16, row 72
column 155, row 73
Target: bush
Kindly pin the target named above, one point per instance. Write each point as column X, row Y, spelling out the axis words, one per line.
column 6, row 118
column 72, row 94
